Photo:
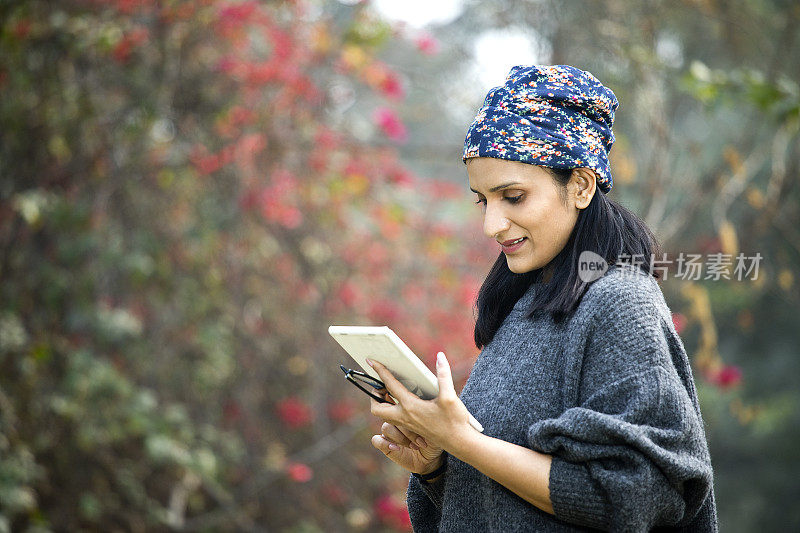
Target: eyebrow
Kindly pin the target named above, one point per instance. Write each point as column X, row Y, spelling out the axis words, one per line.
column 497, row 187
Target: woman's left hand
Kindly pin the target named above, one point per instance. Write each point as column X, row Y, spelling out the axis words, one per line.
column 438, row 421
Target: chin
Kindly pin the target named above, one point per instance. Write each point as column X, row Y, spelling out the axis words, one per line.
column 519, row 268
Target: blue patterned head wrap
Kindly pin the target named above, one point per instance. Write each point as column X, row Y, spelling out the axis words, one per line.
column 553, row 116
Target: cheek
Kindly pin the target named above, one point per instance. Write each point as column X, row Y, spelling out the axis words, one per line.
column 557, row 228
column 566, row 223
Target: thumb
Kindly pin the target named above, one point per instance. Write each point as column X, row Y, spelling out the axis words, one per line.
column 445, row 378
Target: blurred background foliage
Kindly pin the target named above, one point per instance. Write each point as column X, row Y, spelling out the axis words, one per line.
column 192, row 191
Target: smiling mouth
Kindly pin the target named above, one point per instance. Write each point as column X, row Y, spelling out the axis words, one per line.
column 512, row 246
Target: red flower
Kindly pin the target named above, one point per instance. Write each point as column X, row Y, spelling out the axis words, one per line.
column 275, row 201
column 348, row 293
column 391, row 87
column 226, row 64
column 390, row 124
column 679, row 321
column 468, row 292
column 294, row 413
column 125, row 46
column 326, row 138
column 357, row 170
column 128, row 7
column 282, row 45
column 299, row 472
column 427, row 44
column 286, row 215
column 384, row 310
column 21, row 29
column 392, row 513
column 249, row 145
column 243, row 115
column 726, row 377
column 341, row 410
column 401, row 177
column 239, row 12
column 204, row 162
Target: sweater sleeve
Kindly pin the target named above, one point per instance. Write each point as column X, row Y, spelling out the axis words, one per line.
column 425, row 504
column 632, row 455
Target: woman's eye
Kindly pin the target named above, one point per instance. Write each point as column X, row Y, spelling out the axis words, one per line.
column 509, row 199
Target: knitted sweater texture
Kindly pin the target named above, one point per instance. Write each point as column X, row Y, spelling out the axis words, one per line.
column 609, row 394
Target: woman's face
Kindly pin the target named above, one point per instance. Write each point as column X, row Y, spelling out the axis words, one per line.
column 523, row 201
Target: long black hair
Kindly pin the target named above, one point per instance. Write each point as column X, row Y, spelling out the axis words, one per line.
column 603, row 227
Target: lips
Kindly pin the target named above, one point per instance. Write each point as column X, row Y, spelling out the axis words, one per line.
column 512, row 245
column 512, row 242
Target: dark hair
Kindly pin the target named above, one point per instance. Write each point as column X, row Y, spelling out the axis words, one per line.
column 603, row 227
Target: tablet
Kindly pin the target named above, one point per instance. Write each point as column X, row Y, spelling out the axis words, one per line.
column 381, row 344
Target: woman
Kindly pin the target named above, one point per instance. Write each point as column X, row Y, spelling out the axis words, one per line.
column 583, row 387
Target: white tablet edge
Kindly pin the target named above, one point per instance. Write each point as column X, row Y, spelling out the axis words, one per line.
column 423, row 376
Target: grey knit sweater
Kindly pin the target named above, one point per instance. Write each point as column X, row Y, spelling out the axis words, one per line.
column 609, row 394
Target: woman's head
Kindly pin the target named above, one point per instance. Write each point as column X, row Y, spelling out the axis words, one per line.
column 529, row 210
column 536, row 154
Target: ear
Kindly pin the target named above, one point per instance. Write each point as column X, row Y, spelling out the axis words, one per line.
column 584, row 186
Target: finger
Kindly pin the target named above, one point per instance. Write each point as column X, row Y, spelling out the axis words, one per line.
column 414, row 437
column 446, row 388
column 394, row 387
column 387, row 411
column 400, row 435
column 384, row 445
column 394, row 434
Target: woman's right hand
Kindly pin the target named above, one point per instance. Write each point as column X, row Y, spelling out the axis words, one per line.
column 394, row 442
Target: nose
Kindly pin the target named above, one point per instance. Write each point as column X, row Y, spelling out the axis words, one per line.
column 494, row 220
